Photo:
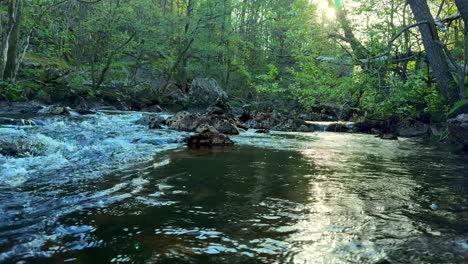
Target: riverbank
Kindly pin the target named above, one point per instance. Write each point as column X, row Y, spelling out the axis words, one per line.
column 229, row 120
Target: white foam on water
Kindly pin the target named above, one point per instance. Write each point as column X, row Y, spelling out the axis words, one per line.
column 83, row 147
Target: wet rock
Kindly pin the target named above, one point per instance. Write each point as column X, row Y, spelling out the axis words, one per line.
column 304, row 128
column 156, row 122
column 245, row 117
column 8, row 149
column 152, row 121
column 337, row 127
column 209, row 139
column 388, row 136
column 86, row 112
column 16, row 122
column 214, row 110
column 185, row 121
column 458, row 128
column 225, row 127
column 31, row 107
column 370, row 126
column 21, row 148
column 205, row 92
column 410, row 128
column 206, row 129
column 262, row 131
column 56, row 110
column 374, row 131
column 278, row 122
column 153, row 108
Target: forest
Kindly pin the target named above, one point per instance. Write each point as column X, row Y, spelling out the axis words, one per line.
column 234, row 131
column 374, row 58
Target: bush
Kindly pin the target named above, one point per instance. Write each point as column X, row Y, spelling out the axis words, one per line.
column 460, row 107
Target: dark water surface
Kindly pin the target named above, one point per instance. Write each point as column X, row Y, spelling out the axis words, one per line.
column 279, row 198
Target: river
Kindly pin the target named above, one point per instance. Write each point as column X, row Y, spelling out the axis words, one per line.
column 104, row 189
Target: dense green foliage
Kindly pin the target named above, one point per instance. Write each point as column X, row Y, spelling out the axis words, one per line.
column 264, row 51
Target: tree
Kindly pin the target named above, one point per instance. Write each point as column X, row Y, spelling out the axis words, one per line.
column 11, row 40
column 438, row 59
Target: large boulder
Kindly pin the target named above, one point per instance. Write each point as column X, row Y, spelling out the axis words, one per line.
column 56, row 110
column 205, row 92
column 209, row 139
column 171, row 93
column 278, row 122
column 186, row 121
column 458, row 128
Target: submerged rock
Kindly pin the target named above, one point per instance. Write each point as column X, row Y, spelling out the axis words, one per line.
column 209, row 139
column 458, row 128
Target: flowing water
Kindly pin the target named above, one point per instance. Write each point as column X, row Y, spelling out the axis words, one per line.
column 102, row 189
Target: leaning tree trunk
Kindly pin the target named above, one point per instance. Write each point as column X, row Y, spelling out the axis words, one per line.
column 434, row 50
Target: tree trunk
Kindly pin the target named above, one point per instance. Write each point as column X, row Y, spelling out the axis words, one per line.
column 355, row 44
column 435, row 52
column 14, row 43
column 188, row 42
column 462, row 6
column 13, row 9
